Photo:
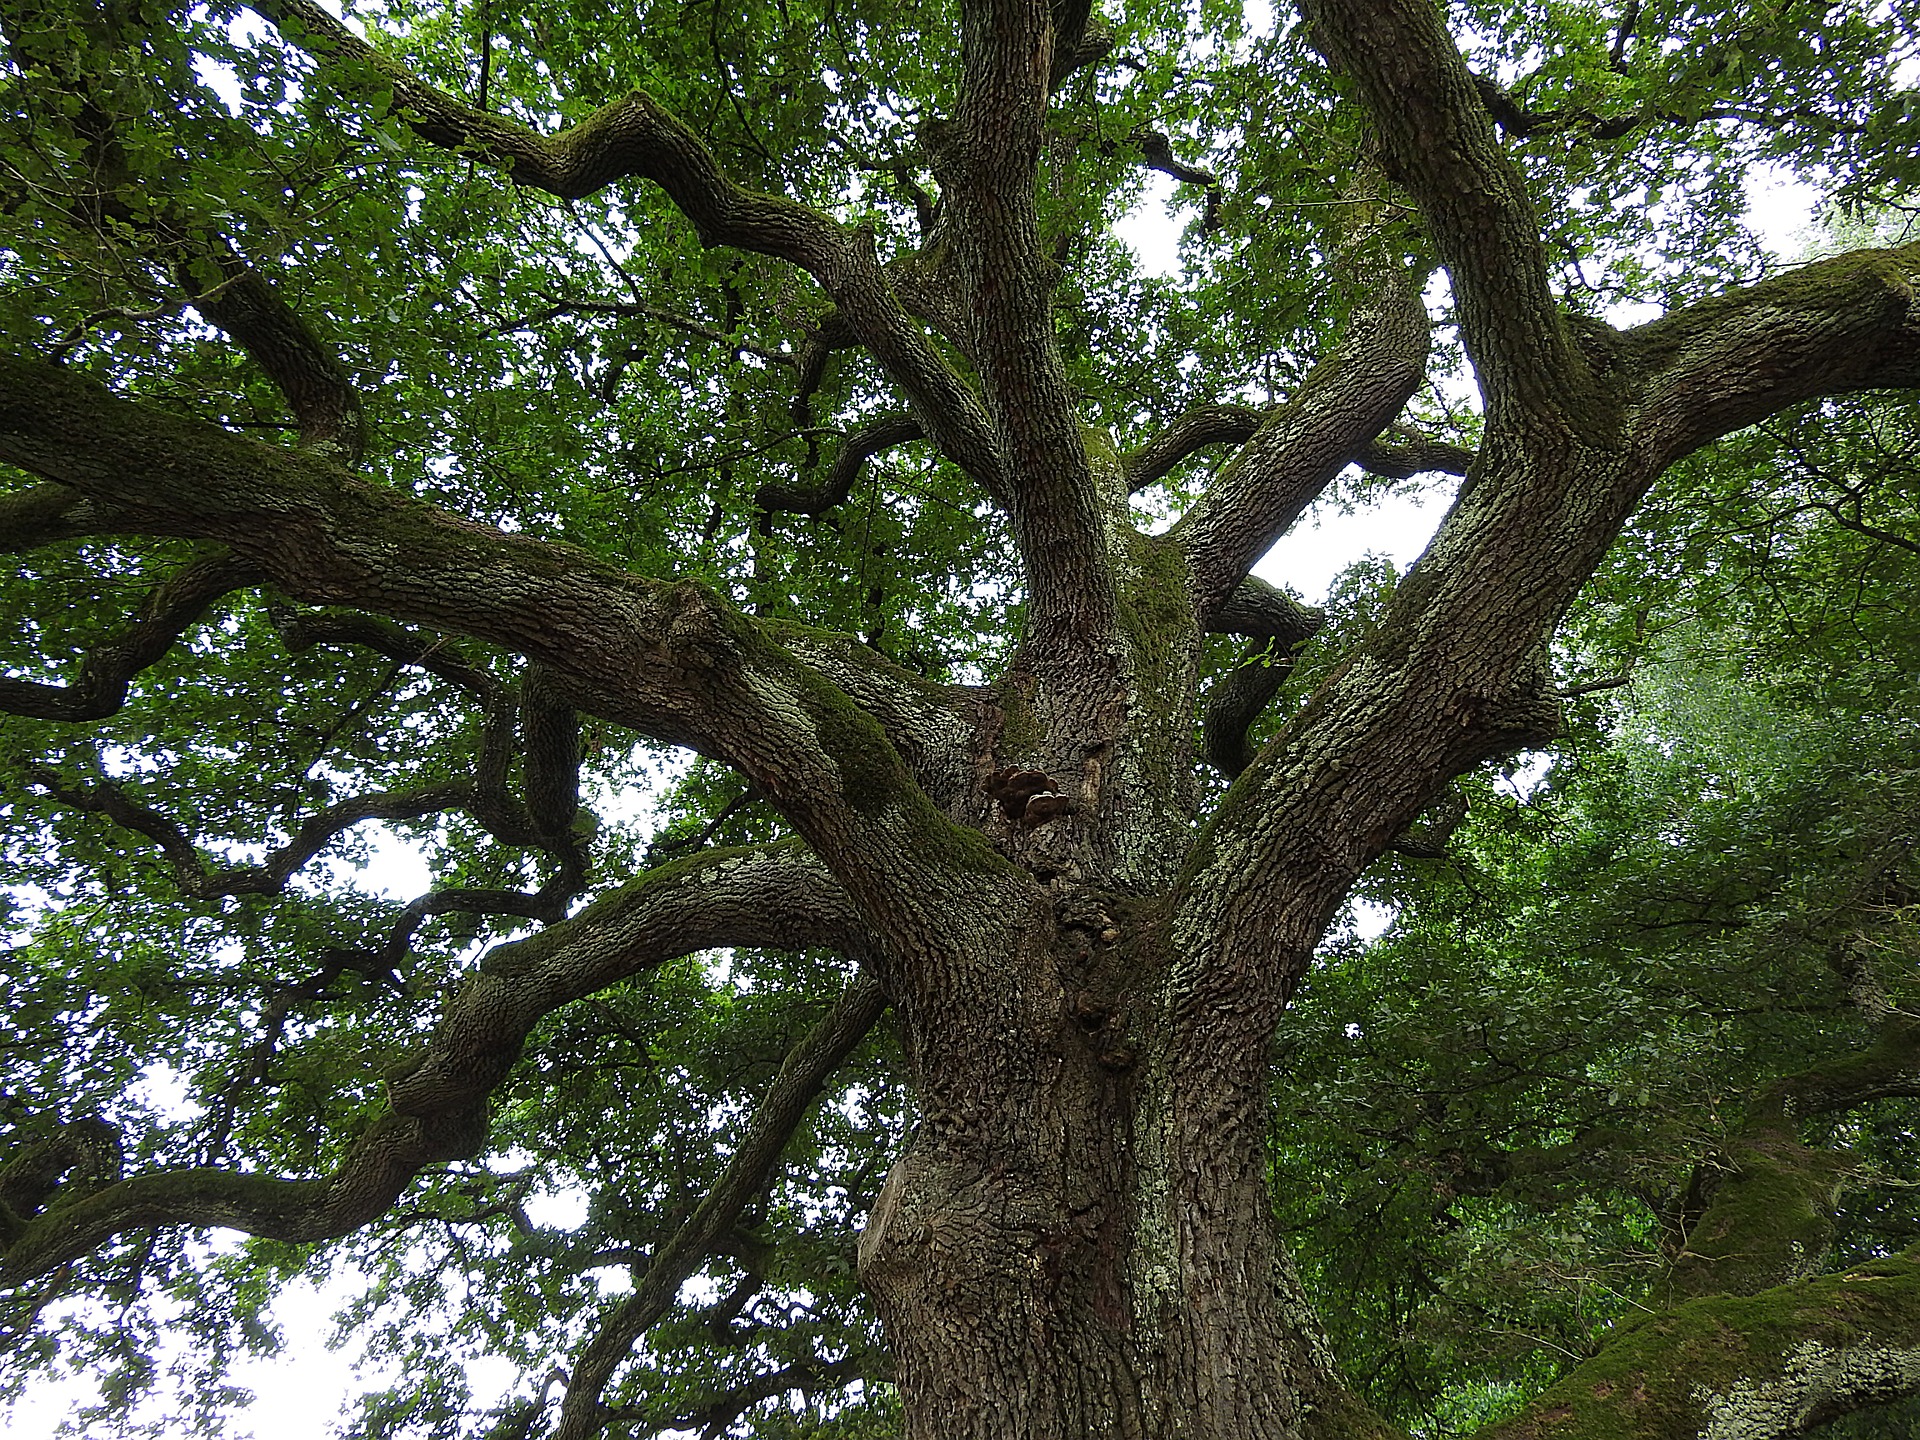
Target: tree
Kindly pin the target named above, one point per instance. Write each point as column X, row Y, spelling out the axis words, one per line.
column 1696, row 915
column 768, row 384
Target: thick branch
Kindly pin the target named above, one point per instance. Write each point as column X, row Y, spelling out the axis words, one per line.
column 1440, row 144
column 794, row 1089
column 932, row 725
column 1403, row 452
column 1196, row 430
column 1889, row 1067
column 80, row 1155
column 1835, row 326
column 46, row 514
column 1264, row 612
column 776, row 897
column 987, row 160
column 1770, row 1217
column 671, row 660
column 1299, row 448
column 639, row 138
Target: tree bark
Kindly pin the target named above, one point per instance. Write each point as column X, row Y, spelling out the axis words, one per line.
column 1091, row 1251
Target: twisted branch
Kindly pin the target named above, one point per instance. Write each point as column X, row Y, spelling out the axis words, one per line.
column 776, row 897
column 168, row 612
column 802, row 1074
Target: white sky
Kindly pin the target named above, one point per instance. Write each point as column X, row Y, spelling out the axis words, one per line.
column 302, row 1391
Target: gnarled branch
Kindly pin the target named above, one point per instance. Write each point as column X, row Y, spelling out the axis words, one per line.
column 638, row 137
column 671, row 660
column 169, row 611
column 438, row 1098
column 191, row 872
column 855, row 451
column 1279, row 625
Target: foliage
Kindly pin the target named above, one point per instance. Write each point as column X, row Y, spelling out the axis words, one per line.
column 1496, row 1107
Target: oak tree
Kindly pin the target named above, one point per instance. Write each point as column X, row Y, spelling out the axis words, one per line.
column 424, row 417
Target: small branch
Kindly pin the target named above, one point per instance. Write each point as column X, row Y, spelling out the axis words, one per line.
column 1157, row 150
column 636, row 310
column 855, row 451
column 169, row 611
column 191, row 872
column 1279, row 625
column 802, row 1075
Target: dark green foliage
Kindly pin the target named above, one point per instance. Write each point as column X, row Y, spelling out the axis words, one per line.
column 1494, row 1112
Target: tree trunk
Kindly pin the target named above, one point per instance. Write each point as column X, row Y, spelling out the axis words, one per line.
column 1078, row 1240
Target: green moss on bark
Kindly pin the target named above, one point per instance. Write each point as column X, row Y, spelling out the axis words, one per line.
column 1660, row 1379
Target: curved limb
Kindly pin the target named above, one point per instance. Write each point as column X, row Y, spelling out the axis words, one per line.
column 1278, row 626
column 639, row 138
column 855, row 451
column 170, row 609
column 1299, row 447
column 777, row 896
column 802, row 1074
column 1832, row 327
column 671, row 660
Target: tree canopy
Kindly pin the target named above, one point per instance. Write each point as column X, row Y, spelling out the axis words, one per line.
column 711, row 483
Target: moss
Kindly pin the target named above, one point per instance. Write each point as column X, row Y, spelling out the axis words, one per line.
column 1021, row 733
column 788, row 632
column 1771, row 1220
column 872, row 775
column 1154, row 609
column 1846, row 282
column 1156, row 615
column 1657, row 1379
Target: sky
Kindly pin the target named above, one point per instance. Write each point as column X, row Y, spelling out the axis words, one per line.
column 300, row 1392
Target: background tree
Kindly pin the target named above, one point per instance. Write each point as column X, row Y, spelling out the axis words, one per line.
column 772, row 388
